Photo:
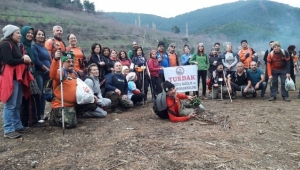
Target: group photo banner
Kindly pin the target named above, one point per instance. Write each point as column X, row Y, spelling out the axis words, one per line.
column 183, row 77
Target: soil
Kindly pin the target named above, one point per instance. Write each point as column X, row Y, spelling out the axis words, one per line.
column 258, row 135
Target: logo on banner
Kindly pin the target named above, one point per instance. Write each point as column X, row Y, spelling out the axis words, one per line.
column 179, row 71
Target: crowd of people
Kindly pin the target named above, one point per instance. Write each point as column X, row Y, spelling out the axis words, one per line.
column 120, row 80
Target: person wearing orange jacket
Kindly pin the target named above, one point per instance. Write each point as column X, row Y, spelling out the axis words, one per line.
column 173, row 103
column 80, row 60
column 278, row 66
column 247, row 54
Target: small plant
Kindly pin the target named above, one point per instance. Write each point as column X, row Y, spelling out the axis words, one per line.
column 195, row 102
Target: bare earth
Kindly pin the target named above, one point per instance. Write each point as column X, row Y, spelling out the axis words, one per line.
column 259, row 135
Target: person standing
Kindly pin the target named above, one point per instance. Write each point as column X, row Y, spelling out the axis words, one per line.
column 42, row 61
column 265, row 59
column 154, row 69
column 163, row 59
column 131, row 53
column 278, row 66
column 173, row 58
column 246, row 54
column 201, row 60
column 55, row 43
column 12, row 91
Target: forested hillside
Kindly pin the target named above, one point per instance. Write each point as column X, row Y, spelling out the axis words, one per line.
column 252, row 20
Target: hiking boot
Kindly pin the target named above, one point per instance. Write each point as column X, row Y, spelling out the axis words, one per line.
column 138, row 104
column 12, row 135
column 204, row 97
column 272, row 99
column 254, row 95
column 24, row 130
column 287, row 99
column 233, row 95
column 263, row 97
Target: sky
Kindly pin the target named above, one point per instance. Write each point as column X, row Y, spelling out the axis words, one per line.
column 164, row 8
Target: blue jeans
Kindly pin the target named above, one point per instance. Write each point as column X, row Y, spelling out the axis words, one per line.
column 41, row 80
column 11, row 110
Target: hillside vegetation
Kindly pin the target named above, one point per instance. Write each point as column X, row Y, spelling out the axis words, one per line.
column 255, row 20
column 88, row 28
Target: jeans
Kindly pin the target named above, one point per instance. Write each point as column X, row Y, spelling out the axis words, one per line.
column 274, row 84
column 202, row 74
column 262, row 87
column 156, row 84
column 11, row 110
column 41, row 80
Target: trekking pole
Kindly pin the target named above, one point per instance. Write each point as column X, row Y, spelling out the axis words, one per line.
column 143, row 84
column 62, row 96
column 221, row 89
column 227, row 88
column 151, row 85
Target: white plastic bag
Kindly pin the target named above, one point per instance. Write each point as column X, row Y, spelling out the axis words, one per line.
column 84, row 94
column 289, row 84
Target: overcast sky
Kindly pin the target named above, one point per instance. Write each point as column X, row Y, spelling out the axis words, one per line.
column 164, row 8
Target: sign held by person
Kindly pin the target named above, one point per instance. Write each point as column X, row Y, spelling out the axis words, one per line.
column 183, row 77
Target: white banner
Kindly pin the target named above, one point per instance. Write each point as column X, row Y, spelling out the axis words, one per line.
column 183, row 77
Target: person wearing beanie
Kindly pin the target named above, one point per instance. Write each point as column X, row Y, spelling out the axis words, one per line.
column 247, row 54
column 216, row 84
column 134, row 94
column 69, row 89
column 202, row 61
column 163, row 59
column 174, row 104
column 154, row 69
column 16, row 78
column 278, row 66
column 56, row 43
column 125, row 70
column 33, row 104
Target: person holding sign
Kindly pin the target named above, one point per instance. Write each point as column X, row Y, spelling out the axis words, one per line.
column 201, row 60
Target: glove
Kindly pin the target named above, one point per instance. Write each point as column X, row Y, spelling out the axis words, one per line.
column 247, row 55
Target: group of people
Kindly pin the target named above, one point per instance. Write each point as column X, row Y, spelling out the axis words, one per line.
column 119, row 80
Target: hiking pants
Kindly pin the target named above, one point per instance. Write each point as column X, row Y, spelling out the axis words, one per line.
column 217, row 90
column 202, row 74
column 274, row 84
column 98, row 113
column 262, row 87
column 137, row 98
column 235, row 87
column 30, row 110
column 156, row 84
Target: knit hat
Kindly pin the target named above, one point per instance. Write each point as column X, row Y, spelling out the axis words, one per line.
column 244, row 41
column 124, row 68
column 8, row 30
column 161, row 43
column 130, row 76
column 66, row 56
column 291, row 48
column 167, row 86
column 276, row 43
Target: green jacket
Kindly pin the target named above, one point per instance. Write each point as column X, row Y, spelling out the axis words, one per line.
column 203, row 61
column 130, row 54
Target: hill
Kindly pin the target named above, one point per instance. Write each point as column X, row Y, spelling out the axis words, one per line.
column 252, row 20
column 88, row 28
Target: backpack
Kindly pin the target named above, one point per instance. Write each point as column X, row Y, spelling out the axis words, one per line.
column 282, row 51
column 160, row 107
column 48, row 91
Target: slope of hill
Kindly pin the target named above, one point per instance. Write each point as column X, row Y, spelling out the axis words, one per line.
column 88, row 28
column 252, row 20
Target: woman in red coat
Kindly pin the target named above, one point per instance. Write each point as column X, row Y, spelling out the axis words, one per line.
column 154, row 69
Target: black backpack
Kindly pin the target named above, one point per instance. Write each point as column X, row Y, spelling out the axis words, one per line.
column 160, row 107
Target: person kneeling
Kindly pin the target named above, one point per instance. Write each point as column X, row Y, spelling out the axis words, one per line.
column 134, row 94
column 116, row 88
column 93, row 82
column 218, row 82
column 240, row 81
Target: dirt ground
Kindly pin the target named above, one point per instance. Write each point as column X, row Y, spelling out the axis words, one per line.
column 259, row 135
